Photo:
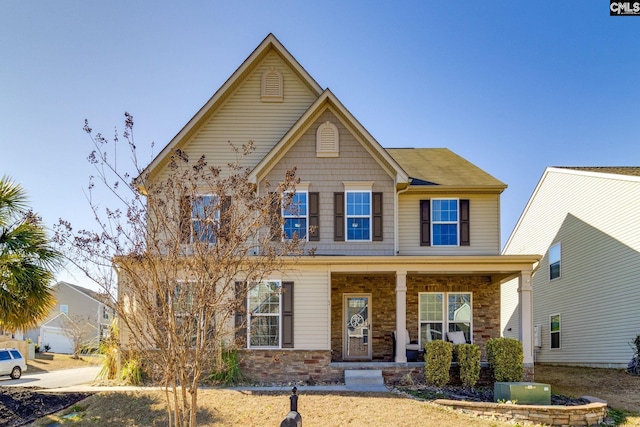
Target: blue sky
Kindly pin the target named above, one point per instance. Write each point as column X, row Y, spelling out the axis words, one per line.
column 512, row 86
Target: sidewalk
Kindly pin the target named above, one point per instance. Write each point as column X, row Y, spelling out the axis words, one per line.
column 88, row 388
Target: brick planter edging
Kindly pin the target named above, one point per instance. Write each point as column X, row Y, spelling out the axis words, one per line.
column 581, row 415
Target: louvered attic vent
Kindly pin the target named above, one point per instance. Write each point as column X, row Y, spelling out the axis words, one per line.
column 272, row 90
column 327, row 140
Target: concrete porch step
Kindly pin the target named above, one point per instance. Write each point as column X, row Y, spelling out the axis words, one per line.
column 356, row 378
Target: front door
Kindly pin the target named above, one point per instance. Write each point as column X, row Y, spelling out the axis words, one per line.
column 357, row 326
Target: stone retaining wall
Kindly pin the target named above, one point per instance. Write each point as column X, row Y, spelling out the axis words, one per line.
column 582, row 415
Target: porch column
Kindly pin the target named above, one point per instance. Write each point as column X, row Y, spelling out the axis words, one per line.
column 526, row 316
column 401, row 316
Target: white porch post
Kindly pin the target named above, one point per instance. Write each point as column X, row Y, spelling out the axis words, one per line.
column 401, row 316
column 526, row 316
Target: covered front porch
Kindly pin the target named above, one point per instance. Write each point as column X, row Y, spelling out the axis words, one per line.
column 427, row 296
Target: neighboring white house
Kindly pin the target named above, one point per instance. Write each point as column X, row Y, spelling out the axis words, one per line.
column 76, row 307
column 586, row 291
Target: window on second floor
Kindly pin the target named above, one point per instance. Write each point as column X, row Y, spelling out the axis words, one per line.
column 295, row 221
column 555, row 257
column 64, row 308
column 358, row 216
column 200, row 218
column 444, row 222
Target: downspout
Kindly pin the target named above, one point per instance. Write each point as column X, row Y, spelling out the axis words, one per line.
column 396, row 237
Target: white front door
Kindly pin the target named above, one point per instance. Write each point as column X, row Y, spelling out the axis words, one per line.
column 357, row 326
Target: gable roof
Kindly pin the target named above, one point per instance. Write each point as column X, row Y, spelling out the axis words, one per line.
column 327, row 100
column 615, row 170
column 270, row 43
column 442, row 167
column 88, row 292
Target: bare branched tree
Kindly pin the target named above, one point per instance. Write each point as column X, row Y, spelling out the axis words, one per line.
column 80, row 329
column 187, row 243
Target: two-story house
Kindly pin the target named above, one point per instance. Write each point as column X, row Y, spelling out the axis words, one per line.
column 405, row 239
column 78, row 310
column 586, row 300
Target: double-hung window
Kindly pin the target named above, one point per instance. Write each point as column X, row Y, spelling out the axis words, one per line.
column 358, row 208
column 205, row 217
column 442, row 312
column 555, row 257
column 264, row 309
column 295, row 215
column 444, row 214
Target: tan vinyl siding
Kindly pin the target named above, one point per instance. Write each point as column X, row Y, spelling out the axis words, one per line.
column 595, row 218
column 326, row 175
column 311, row 309
column 484, row 225
column 245, row 117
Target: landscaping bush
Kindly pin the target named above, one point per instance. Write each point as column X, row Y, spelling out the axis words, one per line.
column 469, row 362
column 506, row 359
column 228, row 372
column 438, row 355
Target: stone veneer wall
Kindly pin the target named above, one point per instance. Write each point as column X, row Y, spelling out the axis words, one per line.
column 582, row 415
column 286, row 366
column 486, row 307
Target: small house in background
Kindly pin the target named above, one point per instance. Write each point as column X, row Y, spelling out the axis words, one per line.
column 78, row 310
column 586, row 291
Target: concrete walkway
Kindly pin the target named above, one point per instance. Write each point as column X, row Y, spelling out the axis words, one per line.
column 88, row 388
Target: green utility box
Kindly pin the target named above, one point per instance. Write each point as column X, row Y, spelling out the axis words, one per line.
column 522, row 393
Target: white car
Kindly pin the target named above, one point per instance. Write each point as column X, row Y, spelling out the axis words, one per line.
column 12, row 363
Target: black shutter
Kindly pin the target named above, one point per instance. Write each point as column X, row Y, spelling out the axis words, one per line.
column 241, row 315
column 184, row 226
column 276, row 216
column 377, row 217
column 287, row 314
column 314, row 217
column 338, row 217
column 425, row 223
column 465, row 232
column 225, row 216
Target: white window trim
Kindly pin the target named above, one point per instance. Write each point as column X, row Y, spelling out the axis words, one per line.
column 279, row 315
column 559, row 245
column 305, row 216
column 559, row 332
column 192, row 219
column 434, row 222
column 445, row 317
column 358, row 187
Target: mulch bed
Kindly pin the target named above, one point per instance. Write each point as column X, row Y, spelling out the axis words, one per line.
column 22, row 405
column 480, row 394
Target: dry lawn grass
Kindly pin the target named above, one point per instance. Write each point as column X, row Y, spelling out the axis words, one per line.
column 261, row 409
column 336, row 409
column 619, row 389
column 46, row 362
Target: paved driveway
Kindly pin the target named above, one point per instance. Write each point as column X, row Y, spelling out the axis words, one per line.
column 53, row 379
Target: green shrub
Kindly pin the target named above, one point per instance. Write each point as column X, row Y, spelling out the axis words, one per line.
column 228, row 370
column 438, row 355
column 131, row 372
column 505, row 359
column 469, row 362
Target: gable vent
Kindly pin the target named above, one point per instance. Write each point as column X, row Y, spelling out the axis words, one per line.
column 272, row 90
column 327, row 140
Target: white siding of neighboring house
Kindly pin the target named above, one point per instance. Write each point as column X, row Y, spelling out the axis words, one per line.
column 484, row 216
column 245, row 117
column 595, row 217
column 311, row 307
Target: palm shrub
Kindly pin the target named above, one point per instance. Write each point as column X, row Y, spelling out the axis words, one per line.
column 505, row 357
column 438, row 356
column 469, row 362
